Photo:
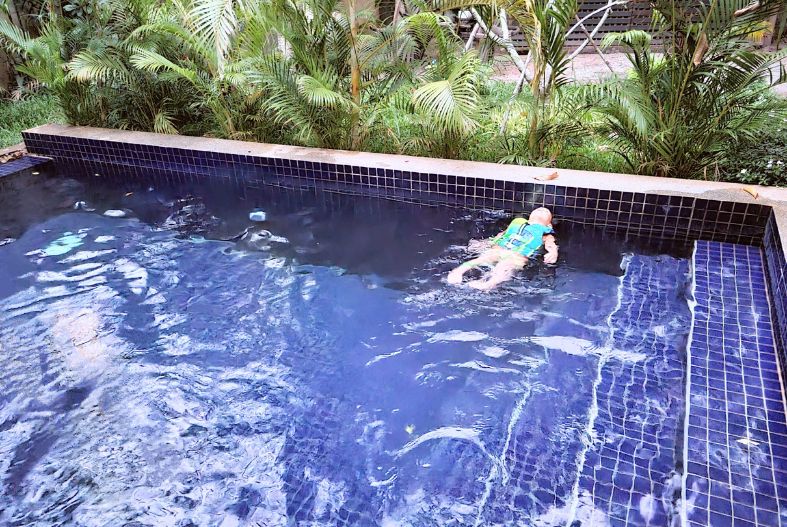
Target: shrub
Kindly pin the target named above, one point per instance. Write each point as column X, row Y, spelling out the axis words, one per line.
column 30, row 111
column 676, row 116
column 762, row 161
column 321, row 73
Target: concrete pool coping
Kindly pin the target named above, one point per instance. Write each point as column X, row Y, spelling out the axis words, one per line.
column 732, row 192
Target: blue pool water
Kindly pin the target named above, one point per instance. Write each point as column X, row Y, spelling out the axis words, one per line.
column 167, row 369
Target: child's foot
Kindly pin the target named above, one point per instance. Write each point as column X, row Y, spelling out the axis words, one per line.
column 454, row 277
column 481, row 285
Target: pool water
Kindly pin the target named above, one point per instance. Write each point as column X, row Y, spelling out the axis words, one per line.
column 179, row 367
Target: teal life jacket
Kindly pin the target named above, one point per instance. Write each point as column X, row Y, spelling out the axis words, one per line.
column 522, row 237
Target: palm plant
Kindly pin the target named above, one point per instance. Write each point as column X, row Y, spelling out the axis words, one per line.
column 196, row 44
column 42, row 55
column 444, row 107
column 678, row 115
column 537, row 133
column 135, row 99
column 85, row 63
column 443, row 101
column 44, row 59
column 334, row 71
column 544, row 24
column 312, row 78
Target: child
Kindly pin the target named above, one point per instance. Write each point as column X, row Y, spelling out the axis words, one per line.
column 509, row 251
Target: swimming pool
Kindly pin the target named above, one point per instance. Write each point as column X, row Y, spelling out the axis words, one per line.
column 177, row 367
column 321, row 373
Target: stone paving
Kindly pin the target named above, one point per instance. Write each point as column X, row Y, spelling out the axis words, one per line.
column 588, row 67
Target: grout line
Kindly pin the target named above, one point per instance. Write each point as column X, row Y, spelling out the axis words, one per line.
column 692, row 302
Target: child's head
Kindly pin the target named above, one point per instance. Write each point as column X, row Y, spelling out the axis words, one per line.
column 541, row 215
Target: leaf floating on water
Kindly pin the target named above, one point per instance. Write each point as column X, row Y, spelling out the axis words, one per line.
column 409, row 429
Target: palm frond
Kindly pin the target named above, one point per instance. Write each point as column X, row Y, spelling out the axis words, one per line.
column 320, row 91
column 452, row 102
column 148, row 60
column 215, row 21
column 100, row 66
column 162, row 124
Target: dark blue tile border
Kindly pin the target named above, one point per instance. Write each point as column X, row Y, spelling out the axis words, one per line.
column 777, row 275
column 23, row 163
column 637, row 214
column 736, row 429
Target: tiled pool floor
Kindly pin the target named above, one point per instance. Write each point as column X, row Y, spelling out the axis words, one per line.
column 736, row 431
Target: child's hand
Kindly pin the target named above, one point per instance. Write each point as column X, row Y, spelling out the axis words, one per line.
column 551, row 247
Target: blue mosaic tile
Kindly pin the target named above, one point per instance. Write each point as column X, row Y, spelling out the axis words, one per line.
column 23, row 163
column 736, row 427
column 777, row 274
column 630, row 464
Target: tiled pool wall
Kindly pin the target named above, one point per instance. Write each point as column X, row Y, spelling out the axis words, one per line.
column 647, row 214
column 18, row 165
column 777, row 279
column 635, row 213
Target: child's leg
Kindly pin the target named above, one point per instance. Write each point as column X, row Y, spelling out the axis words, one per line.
column 485, row 258
column 505, row 270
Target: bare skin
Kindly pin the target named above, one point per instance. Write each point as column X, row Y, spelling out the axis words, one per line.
column 504, row 263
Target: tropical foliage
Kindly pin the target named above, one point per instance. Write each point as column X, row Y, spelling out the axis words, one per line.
column 761, row 160
column 18, row 115
column 329, row 73
column 678, row 113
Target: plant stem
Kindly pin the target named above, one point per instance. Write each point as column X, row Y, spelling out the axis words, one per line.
column 355, row 78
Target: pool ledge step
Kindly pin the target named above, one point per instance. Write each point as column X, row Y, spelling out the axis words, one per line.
column 735, row 455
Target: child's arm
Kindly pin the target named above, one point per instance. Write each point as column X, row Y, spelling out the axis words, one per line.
column 482, row 245
column 551, row 247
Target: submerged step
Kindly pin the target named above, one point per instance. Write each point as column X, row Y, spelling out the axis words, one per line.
column 628, row 476
column 736, row 431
